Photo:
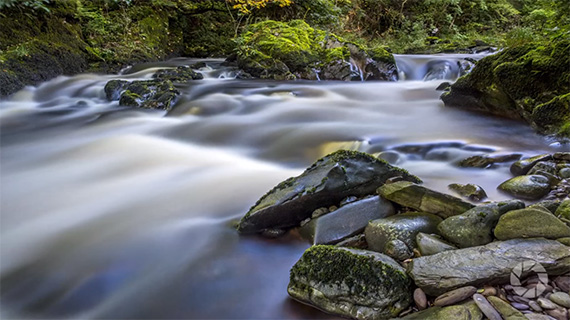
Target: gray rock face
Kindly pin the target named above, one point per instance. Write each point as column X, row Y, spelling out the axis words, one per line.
column 522, row 167
column 530, row 223
column 352, row 283
column 325, row 183
column 475, row 227
column 428, row 244
column 423, row 199
column 403, row 227
column 346, row 221
column 526, row 187
column 489, row 264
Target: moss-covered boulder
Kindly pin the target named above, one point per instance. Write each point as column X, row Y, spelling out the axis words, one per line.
column 351, row 283
column 328, row 181
column 148, row 94
column 530, row 223
column 529, row 82
column 423, row 199
column 294, row 50
column 465, row 311
column 475, row 226
column 530, row 187
column 179, row 74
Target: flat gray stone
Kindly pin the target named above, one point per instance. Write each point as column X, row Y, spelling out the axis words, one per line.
column 454, row 296
column 486, row 265
column 346, row 221
column 487, row 309
column 423, row 199
column 428, row 244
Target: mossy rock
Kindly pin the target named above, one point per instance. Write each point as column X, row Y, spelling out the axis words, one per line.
column 529, row 187
column 466, row 311
column 292, row 50
column 328, row 181
column 180, row 74
column 148, row 94
column 351, row 283
column 528, row 82
column 530, row 223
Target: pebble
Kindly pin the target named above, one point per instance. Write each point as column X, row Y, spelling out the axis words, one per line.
column 521, row 299
column 489, row 291
column 534, row 306
column 563, row 282
column 319, row 212
column 561, row 298
column 520, row 306
column 486, row 307
column 536, row 316
column 546, row 304
column 454, row 296
column 420, row 299
column 558, row 313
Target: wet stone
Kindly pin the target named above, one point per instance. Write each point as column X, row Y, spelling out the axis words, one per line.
column 465, row 311
column 485, row 307
column 558, row 313
column 487, row 161
column 546, row 303
column 519, row 306
column 561, row 298
column 472, row 192
column 530, row 223
column 420, row 299
column 526, row 187
column 429, row 244
column 505, row 309
column 522, row 167
column 534, row 306
column 455, row 296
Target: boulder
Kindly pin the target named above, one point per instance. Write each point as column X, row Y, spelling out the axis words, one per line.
column 522, row 167
column 466, row 311
column 351, row 283
column 470, row 191
column 475, row 226
column 530, row 223
column 420, row 198
column 328, row 181
column 563, row 211
column 148, row 94
column 526, row 187
column 428, row 244
column 528, row 82
column 403, row 227
column 487, row 161
column 346, row 221
column 179, row 74
column 486, row 265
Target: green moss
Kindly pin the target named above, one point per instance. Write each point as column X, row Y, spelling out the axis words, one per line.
column 382, row 55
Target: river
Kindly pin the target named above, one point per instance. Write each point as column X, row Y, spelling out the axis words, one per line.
column 110, row 212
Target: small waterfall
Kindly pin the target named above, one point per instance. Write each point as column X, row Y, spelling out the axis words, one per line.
column 435, row 67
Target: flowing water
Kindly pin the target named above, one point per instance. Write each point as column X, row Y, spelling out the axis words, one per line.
column 110, row 212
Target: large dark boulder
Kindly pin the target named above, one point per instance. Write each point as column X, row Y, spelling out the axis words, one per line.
column 328, row 181
column 529, row 82
column 486, row 265
column 351, row 283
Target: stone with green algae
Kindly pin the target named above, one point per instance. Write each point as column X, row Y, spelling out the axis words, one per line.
column 530, row 223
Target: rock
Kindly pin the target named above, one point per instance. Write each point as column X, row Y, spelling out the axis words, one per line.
column 543, row 166
column 505, row 309
column 475, row 226
column 530, row 223
column 489, row 291
column 346, row 221
column 526, row 187
column 486, row 307
column 561, row 299
column 472, row 192
column 522, row 167
column 403, row 227
column 564, row 173
column 358, row 242
column 494, row 86
column 148, row 94
column 487, row 161
column 398, row 250
column 534, row 306
column 563, row 211
column 562, row 156
column 351, row 283
column 486, row 265
column 325, row 183
column 536, row 316
column 546, row 304
column 420, row 299
column 563, row 282
column 558, row 314
column 454, row 296
column 565, row 241
column 520, row 305
column 466, row 311
column 423, row 199
column 550, row 205
column 428, row 244
column 180, row 74
column 444, row 86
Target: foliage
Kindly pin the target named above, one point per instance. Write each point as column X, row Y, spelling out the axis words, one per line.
column 23, row 4
column 246, row 6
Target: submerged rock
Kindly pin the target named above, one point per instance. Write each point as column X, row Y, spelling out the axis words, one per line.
column 346, row 221
column 148, row 94
column 486, row 161
column 475, row 226
column 352, row 283
column 423, row 199
column 526, row 187
column 403, row 227
column 325, row 183
column 470, row 191
column 489, row 264
column 530, row 223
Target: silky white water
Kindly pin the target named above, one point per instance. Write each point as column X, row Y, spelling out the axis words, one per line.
column 112, row 212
